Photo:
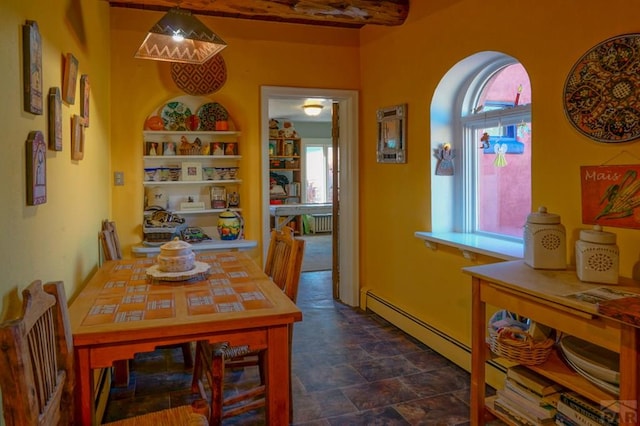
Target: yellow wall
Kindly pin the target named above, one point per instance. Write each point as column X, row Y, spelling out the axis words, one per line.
column 388, row 65
column 405, row 64
column 56, row 240
column 258, row 53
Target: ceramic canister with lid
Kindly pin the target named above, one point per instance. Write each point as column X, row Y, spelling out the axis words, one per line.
column 597, row 256
column 545, row 244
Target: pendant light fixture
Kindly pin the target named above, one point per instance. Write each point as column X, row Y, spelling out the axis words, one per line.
column 180, row 37
column 312, row 110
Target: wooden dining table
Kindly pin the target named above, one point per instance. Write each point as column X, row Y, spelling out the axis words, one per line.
column 123, row 311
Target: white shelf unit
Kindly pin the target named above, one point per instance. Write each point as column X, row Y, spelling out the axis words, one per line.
column 180, row 191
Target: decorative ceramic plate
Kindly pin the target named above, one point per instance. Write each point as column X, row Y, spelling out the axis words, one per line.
column 200, row 270
column 209, row 113
column 200, row 79
column 597, row 361
column 609, row 387
column 602, row 91
column 174, row 115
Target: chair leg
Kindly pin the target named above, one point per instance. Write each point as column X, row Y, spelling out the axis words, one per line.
column 121, row 373
column 197, row 371
column 216, row 380
column 186, row 355
column 261, row 366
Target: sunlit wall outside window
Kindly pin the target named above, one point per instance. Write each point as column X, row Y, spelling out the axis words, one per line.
column 503, row 180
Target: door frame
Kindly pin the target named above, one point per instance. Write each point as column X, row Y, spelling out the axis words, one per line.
column 348, row 239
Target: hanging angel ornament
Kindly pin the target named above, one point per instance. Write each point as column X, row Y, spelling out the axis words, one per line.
column 501, row 159
column 485, row 141
column 445, row 155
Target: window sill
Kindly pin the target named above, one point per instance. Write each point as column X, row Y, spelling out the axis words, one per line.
column 472, row 244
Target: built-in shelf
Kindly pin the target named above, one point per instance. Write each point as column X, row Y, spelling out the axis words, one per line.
column 189, row 182
column 191, row 157
column 190, row 133
column 211, row 245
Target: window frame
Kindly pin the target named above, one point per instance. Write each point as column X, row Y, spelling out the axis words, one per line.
column 456, row 95
column 470, row 155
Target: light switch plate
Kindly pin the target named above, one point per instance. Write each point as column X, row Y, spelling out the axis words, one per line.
column 118, row 178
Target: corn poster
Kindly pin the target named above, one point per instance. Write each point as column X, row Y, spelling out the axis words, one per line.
column 611, row 195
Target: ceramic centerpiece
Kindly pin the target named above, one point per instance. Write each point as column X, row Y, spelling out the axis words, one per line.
column 176, row 256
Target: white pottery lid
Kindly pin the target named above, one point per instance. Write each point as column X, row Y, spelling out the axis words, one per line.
column 597, row 235
column 542, row 217
column 176, row 245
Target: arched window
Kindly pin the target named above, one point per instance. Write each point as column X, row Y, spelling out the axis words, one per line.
column 482, row 110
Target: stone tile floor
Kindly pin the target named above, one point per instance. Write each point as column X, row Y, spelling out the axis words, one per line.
column 349, row 368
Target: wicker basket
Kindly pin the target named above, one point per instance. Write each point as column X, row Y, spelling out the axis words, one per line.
column 194, row 150
column 517, row 345
column 161, row 234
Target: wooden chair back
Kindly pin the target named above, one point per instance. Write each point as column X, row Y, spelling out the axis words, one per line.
column 36, row 360
column 109, row 241
column 284, row 261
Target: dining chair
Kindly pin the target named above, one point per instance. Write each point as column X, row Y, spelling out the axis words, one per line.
column 283, row 265
column 37, row 365
column 109, row 241
column 111, row 250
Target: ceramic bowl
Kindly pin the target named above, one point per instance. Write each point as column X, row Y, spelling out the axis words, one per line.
column 232, row 173
column 150, row 174
column 209, row 173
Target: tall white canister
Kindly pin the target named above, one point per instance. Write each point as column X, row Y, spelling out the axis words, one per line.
column 597, row 256
column 157, row 196
column 545, row 245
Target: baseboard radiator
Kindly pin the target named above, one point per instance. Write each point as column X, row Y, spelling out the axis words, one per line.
column 451, row 348
column 321, row 223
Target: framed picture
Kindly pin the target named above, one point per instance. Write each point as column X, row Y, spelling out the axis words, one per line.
column 392, row 125
column 152, row 148
column 191, row 171
column 607, row 194
column 168, row 148
column 36, row 169
column 85, row 90
column 77, row 137
column 55, row 119
column 69, row 79
column 230, row 148
column 32, row 68
column 217, row 148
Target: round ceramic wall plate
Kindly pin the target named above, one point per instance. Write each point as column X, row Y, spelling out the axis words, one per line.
column 602, row 91
column 200, row 79
column 209, row 113
column 174, row 115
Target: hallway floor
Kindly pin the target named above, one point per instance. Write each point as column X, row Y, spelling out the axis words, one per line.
column 349, row 368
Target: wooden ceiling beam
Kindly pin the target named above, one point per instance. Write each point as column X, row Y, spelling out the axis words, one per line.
column 345, row 13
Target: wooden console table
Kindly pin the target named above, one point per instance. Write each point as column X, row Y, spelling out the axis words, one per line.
column 556, row 299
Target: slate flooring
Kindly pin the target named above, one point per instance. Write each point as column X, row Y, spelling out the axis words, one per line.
column 349, row 368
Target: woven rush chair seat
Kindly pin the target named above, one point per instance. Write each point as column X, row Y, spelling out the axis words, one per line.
column 183, row 415
column 283, row 266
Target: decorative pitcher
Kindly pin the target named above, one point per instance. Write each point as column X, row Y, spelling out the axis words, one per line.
column 230, row 225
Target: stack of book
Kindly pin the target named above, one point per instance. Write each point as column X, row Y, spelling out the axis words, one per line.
column 575, row 410
column 528, row 399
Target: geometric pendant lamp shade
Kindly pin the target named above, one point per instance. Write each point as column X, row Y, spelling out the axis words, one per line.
column 180, row 37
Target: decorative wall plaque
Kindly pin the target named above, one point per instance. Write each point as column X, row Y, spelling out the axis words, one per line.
column 601, row 96
column 32, row 67
column 36, row 169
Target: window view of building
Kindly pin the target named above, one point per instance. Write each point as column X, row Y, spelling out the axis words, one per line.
column 496, row 131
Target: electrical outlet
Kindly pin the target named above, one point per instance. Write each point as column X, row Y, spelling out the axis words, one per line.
column 118, row 178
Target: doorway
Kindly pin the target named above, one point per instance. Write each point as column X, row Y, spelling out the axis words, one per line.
column 347, row 146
